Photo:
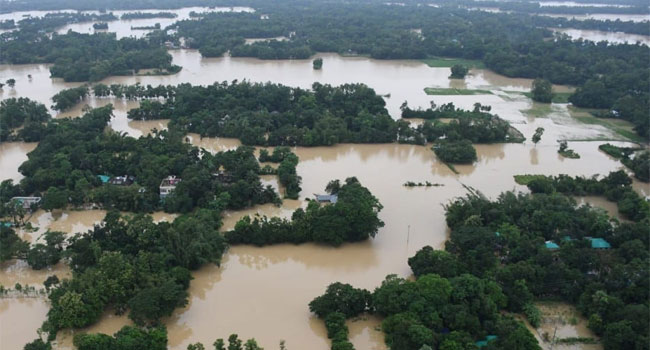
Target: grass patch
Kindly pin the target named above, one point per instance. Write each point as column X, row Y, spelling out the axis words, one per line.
column 452, row 91
column 539, row 110
column 621, row 127
column 558, row 97
column 440, row 62
column 569, row 153
column 526, row 179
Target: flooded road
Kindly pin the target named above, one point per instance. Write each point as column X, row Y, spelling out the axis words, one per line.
column 264, row 292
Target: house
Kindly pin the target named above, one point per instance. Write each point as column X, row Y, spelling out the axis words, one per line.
column 326, row 198
column 550, row 245
column 223, row 176
column 27, row 202
column 104, row 178
column 167, row 185
column 484, row 343
column 125, row 180
column 599, row 243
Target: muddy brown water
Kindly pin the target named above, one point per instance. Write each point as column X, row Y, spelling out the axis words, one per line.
column 264, row 292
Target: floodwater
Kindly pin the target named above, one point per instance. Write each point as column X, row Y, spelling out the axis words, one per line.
column 603, row 16
column 562, row 321
column 576, row 4
column 403, row 80
column 122, row 28
column 598, row 35
column 264, row 292
column 12, row 154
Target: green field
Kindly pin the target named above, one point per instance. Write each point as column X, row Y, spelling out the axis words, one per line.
column 621, row 127
column 526, row 179
column 440, row 62
column 452, row 91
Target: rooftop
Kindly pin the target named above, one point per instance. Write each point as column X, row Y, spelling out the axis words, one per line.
column 551, row 245
column 599, row 243
column 327, row 198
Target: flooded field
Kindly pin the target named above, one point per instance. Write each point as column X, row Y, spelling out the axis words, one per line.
column 254, row 287
column 562, row 321
column 123, row 28
column 598, row 35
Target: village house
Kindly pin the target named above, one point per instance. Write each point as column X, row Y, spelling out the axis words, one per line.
column 327, row 198
column 168, row 185
column 126, row 180
column 27, row 202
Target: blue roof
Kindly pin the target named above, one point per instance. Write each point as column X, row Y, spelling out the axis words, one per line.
column 6, row 224
column 482, row 343
column 599, row 243
column 104, row 178
column 551, row 245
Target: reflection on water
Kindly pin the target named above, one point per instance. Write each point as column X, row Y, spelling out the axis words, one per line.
column 264, row 292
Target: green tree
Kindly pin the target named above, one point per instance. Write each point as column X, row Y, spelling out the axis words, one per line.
column 537, row 136
column 542, row 90
column 458, row 71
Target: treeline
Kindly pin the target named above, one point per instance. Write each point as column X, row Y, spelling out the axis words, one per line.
column 271, row 115
column 65, row 167
column 616, row 187
column 68, row 98
column 609, row 76
column 147, row 15
column 86, row 57
column 52, row 21
column 639, row 163
column 640, row 28
column 353, row 217
column 28, row 116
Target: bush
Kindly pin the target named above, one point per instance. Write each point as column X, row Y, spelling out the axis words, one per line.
column 456, row 152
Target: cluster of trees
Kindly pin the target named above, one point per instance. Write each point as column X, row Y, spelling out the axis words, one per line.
column 616, row 187
column 542, row 90
column 30, row 116
column 455, row 151
column 271, row 114
column 131, row 263
column 68, row 98
column 504, row 240
column 64, row 168
column 133, row 92
column 432, row 312
column 458, row 71
column 100, row 26
column 496, row 260
column 609, row 75
column 147, row 15
column 286, row 171
column 86, row 57
column 352, row 218
column 51, row 21
column 639, row 163
column 630, row 27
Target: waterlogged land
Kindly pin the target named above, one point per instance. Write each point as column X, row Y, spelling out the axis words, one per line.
column 255, row 292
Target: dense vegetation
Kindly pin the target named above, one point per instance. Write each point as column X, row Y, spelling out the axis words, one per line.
column 616, row 187
column 52, row 21
column 496, row 260
column 147, row 15
column 610, row 76
column 84, row 57
column 353, row 218
column 271, row 114
column 68, row 98
column 455, row 152
column 639, row 163
column 68, row 160
column 23, row 113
